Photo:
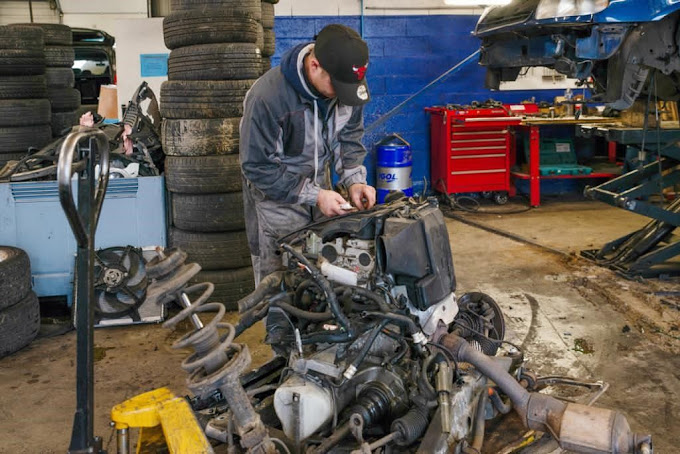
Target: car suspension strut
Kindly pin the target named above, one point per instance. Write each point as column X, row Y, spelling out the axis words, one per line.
column 217, row 361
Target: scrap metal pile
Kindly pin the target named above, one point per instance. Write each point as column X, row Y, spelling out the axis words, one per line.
column 375, row 352
column 134, row 143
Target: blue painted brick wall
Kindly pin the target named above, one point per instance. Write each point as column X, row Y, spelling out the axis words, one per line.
column 407, row 53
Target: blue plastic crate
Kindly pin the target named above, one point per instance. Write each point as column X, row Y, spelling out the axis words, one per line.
column 31, row 218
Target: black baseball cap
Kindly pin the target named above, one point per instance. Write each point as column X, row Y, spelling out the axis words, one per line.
column 344, row 55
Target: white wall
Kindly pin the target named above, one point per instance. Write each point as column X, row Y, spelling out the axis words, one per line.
column 102, row 14
column 18, row 12
column 133, row 38
column 371, row 7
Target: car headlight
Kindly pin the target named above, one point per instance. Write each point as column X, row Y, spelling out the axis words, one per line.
column 564, row 8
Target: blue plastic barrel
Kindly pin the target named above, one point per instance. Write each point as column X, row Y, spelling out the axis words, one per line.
column 394, row 166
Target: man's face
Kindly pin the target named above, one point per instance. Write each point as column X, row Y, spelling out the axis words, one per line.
column 322, row 81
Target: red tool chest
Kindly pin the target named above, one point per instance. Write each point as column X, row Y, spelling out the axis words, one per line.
column 470, row 149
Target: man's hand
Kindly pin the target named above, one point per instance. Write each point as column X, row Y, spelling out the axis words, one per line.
column 362, row 196
column 330, row 203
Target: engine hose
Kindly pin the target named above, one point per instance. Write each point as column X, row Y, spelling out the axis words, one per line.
column 480, row 423
column 303, row 314
column 323, row 283
column 268, row 285
column 398, row 319
column 373, row 297
column 502, row 407
column 326, row 337
column 252, row 316
column 411, row 426
column 299, row 291
column 424, row 384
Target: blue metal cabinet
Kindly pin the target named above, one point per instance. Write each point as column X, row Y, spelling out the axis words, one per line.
column 31, row 218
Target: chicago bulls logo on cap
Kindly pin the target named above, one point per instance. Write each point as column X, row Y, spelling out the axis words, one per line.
column 360, row 71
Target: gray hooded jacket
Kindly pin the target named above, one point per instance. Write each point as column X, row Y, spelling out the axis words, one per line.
column 288, row 134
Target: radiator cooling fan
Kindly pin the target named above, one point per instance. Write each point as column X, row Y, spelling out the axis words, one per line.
column 120, row 283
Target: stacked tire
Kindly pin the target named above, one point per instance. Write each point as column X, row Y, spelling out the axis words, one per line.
column 268, row 40
column 24, row 106
column 214, row 60
column 59, row 56
column 19, row 307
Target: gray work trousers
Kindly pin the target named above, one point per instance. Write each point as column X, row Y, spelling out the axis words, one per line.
column 266, row 221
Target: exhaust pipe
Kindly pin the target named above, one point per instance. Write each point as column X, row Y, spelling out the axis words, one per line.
column 576, row 427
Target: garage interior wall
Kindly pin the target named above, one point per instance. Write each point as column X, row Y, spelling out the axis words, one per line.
column 411, row 43
column 408, row 48
column 12, row 12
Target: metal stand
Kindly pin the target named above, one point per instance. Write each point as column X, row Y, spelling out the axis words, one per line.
column 647, row 252
column 87, row 143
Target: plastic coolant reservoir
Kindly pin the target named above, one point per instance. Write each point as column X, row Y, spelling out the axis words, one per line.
column 315, row 406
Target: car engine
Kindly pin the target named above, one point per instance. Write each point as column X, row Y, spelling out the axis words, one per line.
column 375, row 353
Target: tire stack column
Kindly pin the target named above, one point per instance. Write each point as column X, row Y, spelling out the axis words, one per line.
column 19, row 306
column 59, row 56
column 269, row 43
column 214, row 60
column 24, row 107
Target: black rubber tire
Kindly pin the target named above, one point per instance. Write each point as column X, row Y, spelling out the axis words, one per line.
column 61, row 121
column 203, row 99
column 24, row 112
column 59, row 56
column 269, row 46
column 19, row 324
column 213, row 251
column 17, row 139
column 60, row 77
column 251, row 7
column 230, row 285
column 203, row 174
column 22, row 62
column 200, row 137
column 23, row 87
column 63, row 99
column 15, row 274
column 21, row 37
column 53, row 34
column 267, row 15
column 266, row 64
column 232, row 61
column 187, row 28
column 208, row 212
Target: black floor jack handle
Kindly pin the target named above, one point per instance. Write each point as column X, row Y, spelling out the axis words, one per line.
column 86, row 145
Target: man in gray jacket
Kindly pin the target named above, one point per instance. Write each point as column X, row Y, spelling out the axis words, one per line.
column 300, row 119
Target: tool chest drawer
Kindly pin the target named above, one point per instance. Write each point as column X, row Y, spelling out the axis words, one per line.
column 470, row 149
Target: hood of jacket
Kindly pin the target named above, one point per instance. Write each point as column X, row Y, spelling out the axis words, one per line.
column 293, row 70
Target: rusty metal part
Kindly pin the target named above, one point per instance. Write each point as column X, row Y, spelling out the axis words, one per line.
column 576, row 427
column 444, row 388
column 217, row 362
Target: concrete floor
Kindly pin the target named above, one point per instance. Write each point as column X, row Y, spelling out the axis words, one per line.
column 553, row 303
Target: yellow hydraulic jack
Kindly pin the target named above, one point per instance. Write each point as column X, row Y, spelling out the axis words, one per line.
column 164, row 420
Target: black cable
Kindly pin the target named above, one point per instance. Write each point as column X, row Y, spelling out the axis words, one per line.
column 454, row 203
column 498, row 341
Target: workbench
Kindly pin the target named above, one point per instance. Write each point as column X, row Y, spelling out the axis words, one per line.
column 532, row 126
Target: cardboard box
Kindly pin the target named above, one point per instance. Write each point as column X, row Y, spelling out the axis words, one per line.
column 108, row 102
